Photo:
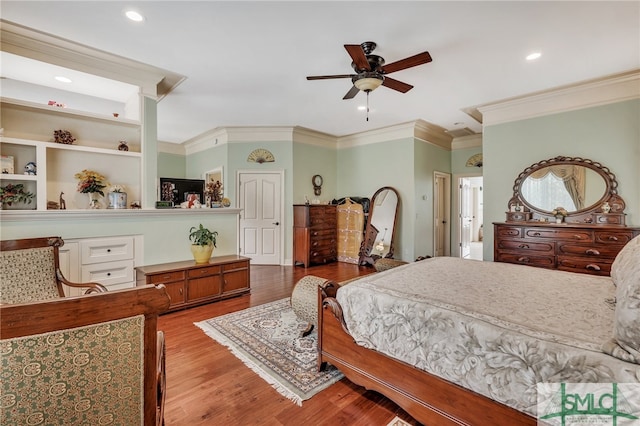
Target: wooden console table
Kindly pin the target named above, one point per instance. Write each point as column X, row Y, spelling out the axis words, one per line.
column 190, row 284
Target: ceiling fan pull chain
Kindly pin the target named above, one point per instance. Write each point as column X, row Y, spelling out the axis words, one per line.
column 368, row 91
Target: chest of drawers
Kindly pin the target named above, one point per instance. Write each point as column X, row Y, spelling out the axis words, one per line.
column 190, row 284
column 589, row 249
column 314, row 234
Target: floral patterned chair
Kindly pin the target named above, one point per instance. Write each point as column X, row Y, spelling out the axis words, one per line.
column 96, row 359
column 30, row 271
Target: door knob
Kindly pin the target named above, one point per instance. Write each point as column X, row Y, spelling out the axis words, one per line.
column 276, row 223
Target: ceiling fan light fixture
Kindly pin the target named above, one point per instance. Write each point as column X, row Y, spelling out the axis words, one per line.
column 368, row 84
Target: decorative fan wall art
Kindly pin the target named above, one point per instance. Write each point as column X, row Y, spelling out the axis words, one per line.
column 260, row 156
column 475, row 161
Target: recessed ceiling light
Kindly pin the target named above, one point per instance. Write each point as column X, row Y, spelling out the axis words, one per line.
column 62, row 79
column 533, row 56
column 134, row 16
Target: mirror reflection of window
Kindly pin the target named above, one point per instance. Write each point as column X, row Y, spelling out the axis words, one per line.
column 547, row 193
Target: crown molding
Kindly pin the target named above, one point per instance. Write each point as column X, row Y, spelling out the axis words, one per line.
column 420, row 129
column 27, row 42
column 171, row 148
column 467, row 142
column 307, row 136
column 209, row 139
column 591, row 93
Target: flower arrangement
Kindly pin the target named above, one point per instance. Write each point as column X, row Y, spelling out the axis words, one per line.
column 559, row 211
column 15, row 194
column 90, row 182
column 214, row 190
column 116, row 188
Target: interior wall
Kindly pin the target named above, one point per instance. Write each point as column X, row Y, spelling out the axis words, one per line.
column 310, row 160
column 171, row 165
column 608, row 134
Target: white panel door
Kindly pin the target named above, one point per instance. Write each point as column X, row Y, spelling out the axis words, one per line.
column 260, row 221
column 466, row 203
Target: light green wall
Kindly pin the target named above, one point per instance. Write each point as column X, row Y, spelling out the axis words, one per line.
column 166, row 234
column 310, row 160
column 171, row 165
column 427, row 160
column 608, row 134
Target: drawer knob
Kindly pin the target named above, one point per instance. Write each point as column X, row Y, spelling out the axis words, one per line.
column 593, row 252
column 524, row 259
column 108, row 274
column 592, row 267
column 180, row 290
column 108, row 250
column 536, row 234
column 577, row 236
column 523, row 246
column 613, row 238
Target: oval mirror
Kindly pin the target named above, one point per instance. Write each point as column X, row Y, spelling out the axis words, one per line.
column 580, row 186
column 573, row 187
column 380, row 230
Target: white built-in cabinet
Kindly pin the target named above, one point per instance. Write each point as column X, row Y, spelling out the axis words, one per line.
column 27, row 135
column 109, row 261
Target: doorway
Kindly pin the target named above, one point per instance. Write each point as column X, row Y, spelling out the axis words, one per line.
column 260, row 198
column 470, row 215
column 441, row 214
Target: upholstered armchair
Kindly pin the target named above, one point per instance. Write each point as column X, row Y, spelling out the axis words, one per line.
column 88, row 360
column 30, row 271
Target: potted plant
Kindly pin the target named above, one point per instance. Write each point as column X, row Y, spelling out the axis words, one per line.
column 15, row 193
column 202, row 243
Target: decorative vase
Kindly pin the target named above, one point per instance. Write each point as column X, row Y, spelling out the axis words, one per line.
column 559, row 218
column 201, row 254
column 117, row 200
column 94, row 201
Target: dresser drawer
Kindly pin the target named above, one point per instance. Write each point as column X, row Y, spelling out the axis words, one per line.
column 560, row 234
column 509, row 231
column 527, row 259
column 613, row 237
column 584, row 265
column 525, row 246
column 109, row 273
column 594, row 250
column 166, row 277
column 235, row 265
column 100, row 250
column 203, row 272
column 322, row 234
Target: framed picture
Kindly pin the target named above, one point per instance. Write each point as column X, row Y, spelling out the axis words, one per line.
column 6, row 164
column 213, row 175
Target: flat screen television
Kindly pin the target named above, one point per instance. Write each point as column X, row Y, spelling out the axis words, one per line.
column 180, row 190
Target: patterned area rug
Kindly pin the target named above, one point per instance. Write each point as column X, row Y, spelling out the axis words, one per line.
column 267, row 338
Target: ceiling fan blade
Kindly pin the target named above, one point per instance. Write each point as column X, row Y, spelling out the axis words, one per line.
column 357, row 55
column 412, row 61
column 396, row 85
column 351, row 93
column 327, row 77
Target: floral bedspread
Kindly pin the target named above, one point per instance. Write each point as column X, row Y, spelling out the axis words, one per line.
column 495, row 328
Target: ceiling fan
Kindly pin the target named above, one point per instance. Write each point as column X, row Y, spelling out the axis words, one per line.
column 371, row 71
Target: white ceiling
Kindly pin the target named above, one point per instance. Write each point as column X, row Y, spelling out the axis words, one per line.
column 246, row 62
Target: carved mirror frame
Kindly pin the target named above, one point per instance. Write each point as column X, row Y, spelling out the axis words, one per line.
column 367, row 254
column 519, row 209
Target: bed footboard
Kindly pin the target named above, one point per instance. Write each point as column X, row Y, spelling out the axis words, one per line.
column 427, row 398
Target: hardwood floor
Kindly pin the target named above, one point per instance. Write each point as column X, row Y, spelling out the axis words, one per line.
column 207, row 385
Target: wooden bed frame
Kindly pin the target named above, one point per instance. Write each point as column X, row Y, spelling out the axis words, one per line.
column 427, row 398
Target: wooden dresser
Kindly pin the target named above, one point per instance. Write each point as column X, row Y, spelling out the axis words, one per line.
column 190, row 284
column 584, row 248
column 314, row 234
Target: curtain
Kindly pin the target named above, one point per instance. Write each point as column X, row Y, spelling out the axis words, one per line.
column 573, row 178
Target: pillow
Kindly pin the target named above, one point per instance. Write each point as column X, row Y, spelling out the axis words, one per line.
column 625, row 274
